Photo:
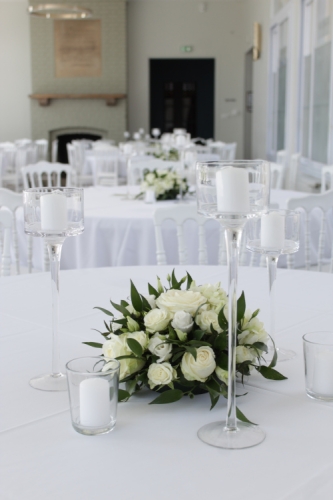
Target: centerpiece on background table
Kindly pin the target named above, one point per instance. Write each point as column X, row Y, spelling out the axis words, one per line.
column 166, row 184
column 175, row 341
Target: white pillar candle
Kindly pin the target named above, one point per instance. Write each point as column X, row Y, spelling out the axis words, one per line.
column 232, row 187
column 272, row 230
column 94, row 402
column 323, row 373
column 53, row 212
column 150, row 196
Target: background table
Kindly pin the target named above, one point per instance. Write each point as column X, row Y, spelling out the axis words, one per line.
column 153, row 451
column 120, row 232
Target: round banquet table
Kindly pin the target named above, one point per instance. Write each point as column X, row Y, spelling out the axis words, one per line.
column 120, row 232
column 154, row 452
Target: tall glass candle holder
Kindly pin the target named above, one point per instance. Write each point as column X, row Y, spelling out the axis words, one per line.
column 53, row 214
column 273, row 234
column 232, row 192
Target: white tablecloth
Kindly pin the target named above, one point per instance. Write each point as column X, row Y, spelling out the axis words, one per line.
column 153, row 451
column 120, row 232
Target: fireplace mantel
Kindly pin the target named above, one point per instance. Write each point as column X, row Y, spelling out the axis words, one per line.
column 45, row 99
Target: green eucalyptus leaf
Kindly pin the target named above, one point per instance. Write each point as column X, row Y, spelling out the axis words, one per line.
column 241, row 307
column 136, row 298
column 260, row 346
column 242, row 417
column 189, row 281
column 135, row 347
column 192, row 350
column 123, row 395
column 166, row 397
column 174, row 281
column 93, row 344
column 222, row 320
column 121, row 309
column 105, row 311
column 221, row 341
column 152, row 291
column 198, row 334
column 145, row 303
column 131, row 385
column 270, row 373
column 222, row 360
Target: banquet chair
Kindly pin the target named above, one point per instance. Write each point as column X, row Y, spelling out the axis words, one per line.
column 226, row 152
column 326, row 178
column 105, row 167
column 179, row 214
column 9, row 175
column 277, row 175
column 54, row 151
column 81, row 147
column 12, row 201
column 292, row 173
column 6, row 224
column 46, row 174
column 309, row 206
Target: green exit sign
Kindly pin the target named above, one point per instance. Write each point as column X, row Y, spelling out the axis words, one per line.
column 186, row 48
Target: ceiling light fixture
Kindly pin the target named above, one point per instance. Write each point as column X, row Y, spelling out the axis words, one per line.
column 59, row 11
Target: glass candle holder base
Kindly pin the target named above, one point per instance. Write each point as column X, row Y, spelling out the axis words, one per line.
column 91, row 431
column 245, row 436
column 282, row 354
column 50, row 382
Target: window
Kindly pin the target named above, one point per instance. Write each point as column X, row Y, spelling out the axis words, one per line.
column 278, row 86
column 316, row 69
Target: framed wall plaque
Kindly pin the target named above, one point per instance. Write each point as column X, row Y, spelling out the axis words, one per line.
column 77, row 48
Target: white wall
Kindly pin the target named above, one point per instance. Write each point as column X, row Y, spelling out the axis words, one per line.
column 157, row 29
column 15, row 80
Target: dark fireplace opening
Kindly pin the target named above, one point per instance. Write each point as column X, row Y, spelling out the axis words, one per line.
column 63, row 139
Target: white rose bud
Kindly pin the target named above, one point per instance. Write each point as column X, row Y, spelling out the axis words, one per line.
column 157, row 320
column 222, row 374
column 181, row 300
column 140, row 337
column 160, row 374
column 157, row 347
column 244, row 354
column 151, row 299
column 206, row 318
column 132, row 325
column 182, row 321
column 117, row 346
column 202, row 367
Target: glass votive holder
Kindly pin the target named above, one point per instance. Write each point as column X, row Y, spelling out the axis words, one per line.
column 93, row 394
column 318, row 361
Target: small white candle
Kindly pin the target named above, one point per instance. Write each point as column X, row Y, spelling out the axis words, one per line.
column 323, row 374
column 94, row 402
column 272, row 230
column 53, row 212
column 232, row 187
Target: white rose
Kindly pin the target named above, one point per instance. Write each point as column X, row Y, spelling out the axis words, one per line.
column 181, row 300
column 150, row 178
column 215, row 295
column 117, row 346
column 182, row 321
column 206, row 318
column 253, row 330
column 157, row 320
column 157, row 347
column 160, row 374
column 222, row 374
column 202, row 367
column 151, row 299
column 244, row 354
column 140, row 337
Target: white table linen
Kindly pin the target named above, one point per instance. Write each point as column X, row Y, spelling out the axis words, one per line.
column 153, row 451
column 120, row 232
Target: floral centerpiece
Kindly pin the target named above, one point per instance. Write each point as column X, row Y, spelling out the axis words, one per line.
column 166, row 184
column 168, row 155
column 175, row 341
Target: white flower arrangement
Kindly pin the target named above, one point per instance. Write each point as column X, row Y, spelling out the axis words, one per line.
column 175, row 341
column 165, row 183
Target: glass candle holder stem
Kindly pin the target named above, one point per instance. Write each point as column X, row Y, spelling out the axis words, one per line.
column 55, row 254
column 272, row 261
column 233, row 238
